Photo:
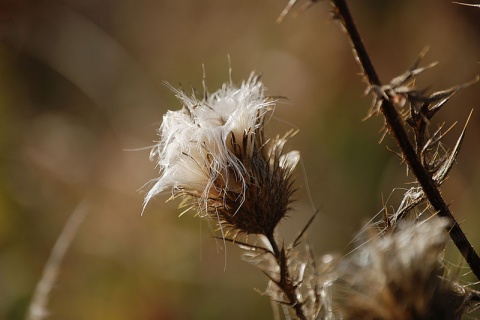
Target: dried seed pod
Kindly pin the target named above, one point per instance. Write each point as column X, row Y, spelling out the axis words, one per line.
column 214, row 155
column 401, row 276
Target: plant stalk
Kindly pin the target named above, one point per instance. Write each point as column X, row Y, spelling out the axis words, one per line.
column 395, row 125
column 285, row 283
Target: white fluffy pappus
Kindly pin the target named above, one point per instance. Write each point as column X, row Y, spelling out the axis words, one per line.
column 207, row 148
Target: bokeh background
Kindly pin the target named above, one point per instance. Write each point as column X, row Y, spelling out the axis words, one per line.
column 81, row 97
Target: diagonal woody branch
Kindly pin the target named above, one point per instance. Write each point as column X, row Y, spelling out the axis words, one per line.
column 395, row 126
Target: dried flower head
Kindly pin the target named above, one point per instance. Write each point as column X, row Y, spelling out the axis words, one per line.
column 214, row 155
column 400, row 276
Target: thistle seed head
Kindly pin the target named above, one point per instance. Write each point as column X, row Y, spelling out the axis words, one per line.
column 400, row 276
column 214, row 155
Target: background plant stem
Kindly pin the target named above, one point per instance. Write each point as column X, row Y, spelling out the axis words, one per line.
column 395, row 126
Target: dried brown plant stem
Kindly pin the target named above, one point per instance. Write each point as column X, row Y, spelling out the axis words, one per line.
column 285, row 282
column 395, row 125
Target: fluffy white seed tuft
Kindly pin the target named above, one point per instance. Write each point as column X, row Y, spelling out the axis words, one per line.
column 193, row 152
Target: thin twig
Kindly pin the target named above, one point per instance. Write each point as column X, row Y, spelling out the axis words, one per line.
column 395, row 124
column 467, row 4
column 285, row 282
column 38, row 306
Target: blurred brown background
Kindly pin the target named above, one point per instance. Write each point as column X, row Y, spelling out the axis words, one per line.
column 82, row 94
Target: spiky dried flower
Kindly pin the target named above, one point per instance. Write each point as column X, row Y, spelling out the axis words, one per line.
column 213, row 154
column 400, row 276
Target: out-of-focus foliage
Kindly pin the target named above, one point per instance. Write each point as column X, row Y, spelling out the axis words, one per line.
column 81, row 94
